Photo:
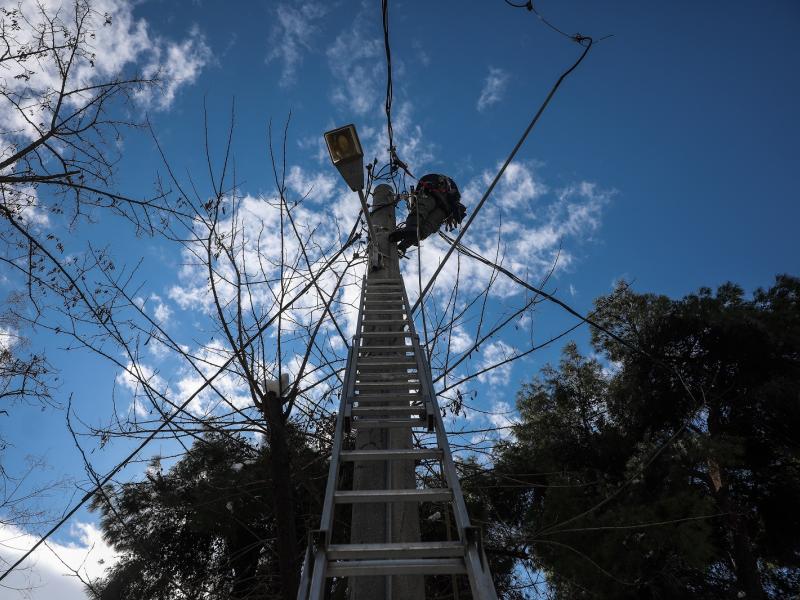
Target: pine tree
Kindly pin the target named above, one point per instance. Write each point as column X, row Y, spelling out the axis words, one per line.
column 677, row 475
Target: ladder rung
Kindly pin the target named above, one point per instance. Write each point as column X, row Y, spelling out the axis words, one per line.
column 363, row 423
column 388, row 375
column 387, row 387
column 399, row 358
column 392, row 370
column 373, row 385
column 373, row 411
column 414, row 550
column 365, row 496
column 397, row 365
column 386, row 348
column 415, row 397
column 370, row 322
column 386, row 334
column 418, row 566
column 409, row 454
column 389, row 395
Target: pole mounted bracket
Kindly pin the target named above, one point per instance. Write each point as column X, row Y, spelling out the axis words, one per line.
column 375, row 257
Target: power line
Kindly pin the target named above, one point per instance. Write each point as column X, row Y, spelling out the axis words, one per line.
column 586, row 42
column 394, row 159
column 389, row 89
column 532, row 8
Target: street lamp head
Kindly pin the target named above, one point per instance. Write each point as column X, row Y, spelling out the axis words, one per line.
column 347, row 155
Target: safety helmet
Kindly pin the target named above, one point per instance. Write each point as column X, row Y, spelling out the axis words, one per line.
column 441, row 186
column 445, row 191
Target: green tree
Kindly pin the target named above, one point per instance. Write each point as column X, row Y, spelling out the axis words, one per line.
column 677, row 475
column 205, row 528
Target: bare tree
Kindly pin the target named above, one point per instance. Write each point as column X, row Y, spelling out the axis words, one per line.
column 274, row 286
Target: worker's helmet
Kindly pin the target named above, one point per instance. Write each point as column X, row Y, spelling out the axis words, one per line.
column 440, row 187
column 446, row 193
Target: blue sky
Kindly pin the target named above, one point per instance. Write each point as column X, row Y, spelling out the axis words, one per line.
column 668, row 158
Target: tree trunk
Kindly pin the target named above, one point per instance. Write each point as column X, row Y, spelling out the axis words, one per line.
column 282, row 497
column 245, row 552
column 745, row 565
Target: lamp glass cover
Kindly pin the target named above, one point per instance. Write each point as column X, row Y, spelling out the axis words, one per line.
column 343, row 144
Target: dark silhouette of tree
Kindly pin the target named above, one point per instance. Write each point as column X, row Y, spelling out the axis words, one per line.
column 204, row 527
column 620, row 484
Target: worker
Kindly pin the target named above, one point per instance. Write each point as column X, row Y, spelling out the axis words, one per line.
column 436, row 201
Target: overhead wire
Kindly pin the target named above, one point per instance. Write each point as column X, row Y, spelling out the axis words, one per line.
column 529, row 5
column 587, row 43
column 656, row 360
column 394, row 160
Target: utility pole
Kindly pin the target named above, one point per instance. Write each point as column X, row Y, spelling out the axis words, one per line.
column 384, row 522
column 387, row 392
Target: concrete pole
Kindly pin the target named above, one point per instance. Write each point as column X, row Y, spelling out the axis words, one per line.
column 372, row 523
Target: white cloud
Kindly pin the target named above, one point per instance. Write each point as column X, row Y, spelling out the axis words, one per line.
column 492, row 354
column 132, row 377
column 9, row 337
column 136, row 378
column 460, row 340
column 123, row 46
column 291, row 36
column 354, row 63
column 494, row 87
column 161, row 312
column 157, row 349
column 229, row 385
column 422, row 56
column 174, row 65
column 319, row 187
column 43, row 576
column 501, row 415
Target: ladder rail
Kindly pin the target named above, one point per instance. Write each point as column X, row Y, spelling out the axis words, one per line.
column 317, row 576
column 318, row 570
column 323, row 559
column 429, row 399
column 477, row 567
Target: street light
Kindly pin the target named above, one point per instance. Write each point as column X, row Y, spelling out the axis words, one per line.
column 347, row 156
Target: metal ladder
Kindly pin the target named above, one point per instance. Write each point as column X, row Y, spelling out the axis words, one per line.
column 388, row 384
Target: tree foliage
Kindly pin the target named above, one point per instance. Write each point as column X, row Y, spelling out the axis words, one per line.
column 205, row 527
column 674, row 471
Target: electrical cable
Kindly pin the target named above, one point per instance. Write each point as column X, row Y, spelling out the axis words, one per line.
column 586, row 42
column 394, row 159
column 532, row 8
column 389, row 89
column 584, row 319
